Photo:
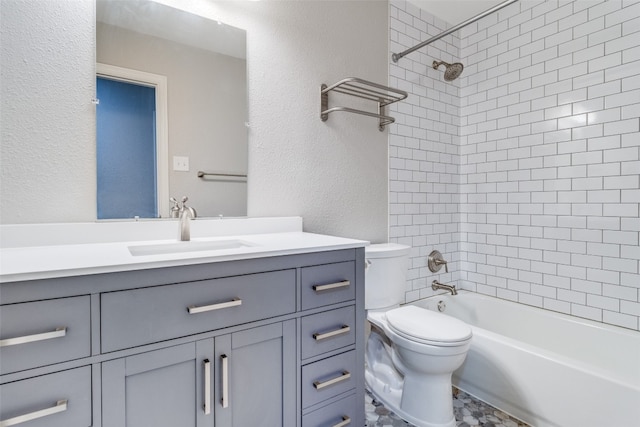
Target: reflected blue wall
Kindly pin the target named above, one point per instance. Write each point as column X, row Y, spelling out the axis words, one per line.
column 126, row 150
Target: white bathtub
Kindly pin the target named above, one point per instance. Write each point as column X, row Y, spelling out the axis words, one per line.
column 546, row 368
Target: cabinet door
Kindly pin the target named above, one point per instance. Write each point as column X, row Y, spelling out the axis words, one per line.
column 162, row 388
column 256, row 383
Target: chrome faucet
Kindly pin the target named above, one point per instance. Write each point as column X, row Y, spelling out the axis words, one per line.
column 185, row 225
column 185, row 214
column 175, row 208
column 435, row 285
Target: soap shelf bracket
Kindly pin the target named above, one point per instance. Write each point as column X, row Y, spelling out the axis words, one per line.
column 359, row 88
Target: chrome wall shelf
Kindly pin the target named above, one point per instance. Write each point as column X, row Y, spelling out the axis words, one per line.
column 364, row 89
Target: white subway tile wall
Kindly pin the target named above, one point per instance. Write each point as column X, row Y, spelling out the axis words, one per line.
column 424, row 149
column 525, row 171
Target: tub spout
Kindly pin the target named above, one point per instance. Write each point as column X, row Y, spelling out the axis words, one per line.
column 435, row 285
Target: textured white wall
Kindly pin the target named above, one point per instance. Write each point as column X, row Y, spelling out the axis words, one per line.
column 334, row 174
column 47, row 120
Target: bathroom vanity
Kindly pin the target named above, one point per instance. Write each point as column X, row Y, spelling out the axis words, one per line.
column 267, row 334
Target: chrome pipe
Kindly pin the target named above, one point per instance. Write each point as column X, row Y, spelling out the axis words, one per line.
column 397, row 56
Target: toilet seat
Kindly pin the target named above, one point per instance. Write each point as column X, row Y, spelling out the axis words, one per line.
column 427, row 327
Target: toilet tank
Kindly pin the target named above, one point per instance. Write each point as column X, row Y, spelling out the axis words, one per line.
column 385, row 275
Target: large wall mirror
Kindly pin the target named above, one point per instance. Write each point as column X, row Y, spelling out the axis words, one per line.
column 171, row 112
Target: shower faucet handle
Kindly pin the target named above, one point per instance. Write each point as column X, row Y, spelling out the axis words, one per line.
column 436, row 261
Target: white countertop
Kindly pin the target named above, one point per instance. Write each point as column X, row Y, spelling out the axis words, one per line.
column 21, row 263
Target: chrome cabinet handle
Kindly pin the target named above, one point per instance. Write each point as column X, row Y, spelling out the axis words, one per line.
column 225, row 381
column 59, row 332
column 329, row 286
column 345, row 421
column 60, row 406
column 342, row 330
column 207, row 386
column 343, row 377
column 192, row 309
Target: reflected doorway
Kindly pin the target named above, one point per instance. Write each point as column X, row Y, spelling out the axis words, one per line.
column 131, row 146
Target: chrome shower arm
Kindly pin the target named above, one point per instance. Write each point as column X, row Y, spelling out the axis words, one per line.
column 397, row 56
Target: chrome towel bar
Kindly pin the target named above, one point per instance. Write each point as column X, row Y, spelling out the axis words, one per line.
column 228, row 176
column 363, row 89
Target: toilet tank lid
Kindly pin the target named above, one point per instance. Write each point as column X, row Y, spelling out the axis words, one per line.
column 386, row 250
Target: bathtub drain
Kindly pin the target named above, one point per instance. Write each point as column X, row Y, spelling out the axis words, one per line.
column 441, row 306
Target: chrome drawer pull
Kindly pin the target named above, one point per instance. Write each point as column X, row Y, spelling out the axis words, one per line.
column 59, row 332
column 345, row 421
column 343, row 377
column 342, row 330
column 60, row 406
column 327, row 287
column 207, row 387
column 192, row 309
column 225, row 381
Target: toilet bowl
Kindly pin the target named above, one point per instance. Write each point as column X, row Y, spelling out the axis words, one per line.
column 411, row 352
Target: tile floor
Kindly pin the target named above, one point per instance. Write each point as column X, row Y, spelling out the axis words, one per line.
column 468, row 412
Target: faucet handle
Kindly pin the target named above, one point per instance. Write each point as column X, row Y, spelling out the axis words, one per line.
column 446, row 264
column 184, row 207
column 435, row 262
column 174, row 212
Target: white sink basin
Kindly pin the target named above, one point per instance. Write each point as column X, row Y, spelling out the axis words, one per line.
column 182, row 247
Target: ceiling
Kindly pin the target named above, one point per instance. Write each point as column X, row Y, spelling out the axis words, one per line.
column 165, row 19
column 455, row 11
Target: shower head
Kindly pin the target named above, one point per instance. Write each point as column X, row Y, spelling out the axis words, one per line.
column 452, row 72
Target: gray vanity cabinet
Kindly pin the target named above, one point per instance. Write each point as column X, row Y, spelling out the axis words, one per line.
column 59, row 399
column 258, row 367
column 161, row 388
column 272, row 342
column 238, row 379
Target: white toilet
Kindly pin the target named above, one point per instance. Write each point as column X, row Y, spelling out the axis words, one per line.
column 411, row 352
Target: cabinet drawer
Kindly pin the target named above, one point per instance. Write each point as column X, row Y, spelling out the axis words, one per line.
column 328, row 377
column 338, row 414
column 143, row 316
column 44, row 332
column 328, row 331
column 62, row 399
column 328, row 284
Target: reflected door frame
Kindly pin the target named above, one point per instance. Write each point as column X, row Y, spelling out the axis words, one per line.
column 158, row 82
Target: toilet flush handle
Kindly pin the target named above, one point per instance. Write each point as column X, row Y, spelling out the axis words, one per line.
column 436, row 261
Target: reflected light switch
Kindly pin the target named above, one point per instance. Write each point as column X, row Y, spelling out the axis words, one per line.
column 181, row 163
